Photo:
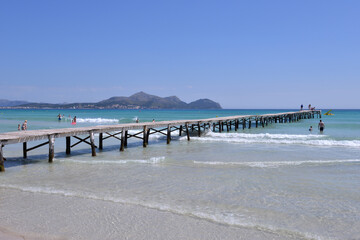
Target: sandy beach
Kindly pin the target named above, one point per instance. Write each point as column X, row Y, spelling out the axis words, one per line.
column 85, row 219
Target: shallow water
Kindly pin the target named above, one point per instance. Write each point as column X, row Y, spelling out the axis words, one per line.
column 279, row 179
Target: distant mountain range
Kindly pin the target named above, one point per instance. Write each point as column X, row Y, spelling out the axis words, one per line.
column 139, row 100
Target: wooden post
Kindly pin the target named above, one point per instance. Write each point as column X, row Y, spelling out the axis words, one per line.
column 126, row 138
column 236, row 124
column 51, row 148
column 256, row 122
column 249, row 123
column 147, row 136
column 214, row 127
column 187, row 132
column 220, row 128
column 68, row 145
column 262, row 122
column 2, row 167
column 244, row 123
column 92, row 141
column 180, row 130
column 100, row 141
column 227, row 126
column 168, row 134
column 24, row 150
column 199, row 128
column 144, row 136
column 122, row 141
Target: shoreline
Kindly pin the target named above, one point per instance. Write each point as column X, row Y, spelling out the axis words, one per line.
column 117, row 221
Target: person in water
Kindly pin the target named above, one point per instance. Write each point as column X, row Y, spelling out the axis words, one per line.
column 310, row 129
column 59, row 117
column 321, row 126
column 24, row 125
column 74, row 120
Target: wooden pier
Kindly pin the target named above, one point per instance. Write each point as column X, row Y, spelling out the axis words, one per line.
column 121, row 131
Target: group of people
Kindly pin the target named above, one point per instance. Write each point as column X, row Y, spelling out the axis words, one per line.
column 22, row 126
column 321, row 126
column 309, row 107
column 73, row 120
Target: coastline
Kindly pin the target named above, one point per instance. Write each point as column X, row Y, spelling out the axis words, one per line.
column 122, row 221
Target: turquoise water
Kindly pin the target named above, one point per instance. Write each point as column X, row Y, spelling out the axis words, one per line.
column 281, row 179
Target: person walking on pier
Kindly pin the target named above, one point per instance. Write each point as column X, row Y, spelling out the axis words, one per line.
column 321, row 126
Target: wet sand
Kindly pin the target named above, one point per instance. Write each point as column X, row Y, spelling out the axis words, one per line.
column 44, row 216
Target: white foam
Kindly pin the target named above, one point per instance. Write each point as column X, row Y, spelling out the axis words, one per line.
column 96, row 120
column 153, row 160
column 274, row 164
column 313, row 140
column 264, row 135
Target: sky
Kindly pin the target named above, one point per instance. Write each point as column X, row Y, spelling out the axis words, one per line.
column 242, row 54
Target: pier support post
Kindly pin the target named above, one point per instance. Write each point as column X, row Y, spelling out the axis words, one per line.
column 2, row 168
column 227, row 126
column 214, row 127
column 147, row 136
column 92, row 141
column 220, row 128
column 236, row 124
column 168, row 134
column 144, row 136
column 122, row 141
column 244, row 123
column 199, row 128
column 180, row 130
column 100, row 141
column 187, row 132
column 256, row 123
column 249, row 123
column 68, row 143
column 126, row 138
column 51, row 148
column 24, row 149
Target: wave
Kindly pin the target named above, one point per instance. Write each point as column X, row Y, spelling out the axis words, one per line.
column 264, row 135
column 311, row 140
column 153, row 160
column 219, row 217
column 96, row 120
column 274, row 164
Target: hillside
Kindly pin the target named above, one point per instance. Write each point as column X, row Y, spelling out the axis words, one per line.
column 138, row 100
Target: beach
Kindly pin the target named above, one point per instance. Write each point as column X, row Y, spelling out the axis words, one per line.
column 277, row 182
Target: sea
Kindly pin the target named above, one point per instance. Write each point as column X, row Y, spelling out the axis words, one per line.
column 278, row 182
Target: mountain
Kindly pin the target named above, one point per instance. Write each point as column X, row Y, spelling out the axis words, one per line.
column 138, row 100
column 8, row 103
column 204, row 104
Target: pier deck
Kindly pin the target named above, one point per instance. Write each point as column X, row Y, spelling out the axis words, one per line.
column 146, row 128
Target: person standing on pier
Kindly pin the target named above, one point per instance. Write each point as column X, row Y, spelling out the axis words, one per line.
column 301, row 108
column 321, row 126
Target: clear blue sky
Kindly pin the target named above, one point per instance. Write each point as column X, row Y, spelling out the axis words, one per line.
column 242, row 54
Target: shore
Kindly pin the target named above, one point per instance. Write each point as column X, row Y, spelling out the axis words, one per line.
column 48, row 216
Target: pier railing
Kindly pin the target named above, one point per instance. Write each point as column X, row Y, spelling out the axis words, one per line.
column 121, row 131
